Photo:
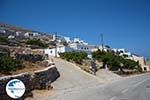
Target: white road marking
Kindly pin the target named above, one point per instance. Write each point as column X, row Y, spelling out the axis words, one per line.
column 139, row 83
column 125, row 90
column 136, row 85
column 113, row 98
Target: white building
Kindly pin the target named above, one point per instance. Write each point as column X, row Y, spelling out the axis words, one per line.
column 104, row 48
column 60, row 49
column 77, row 40
column 67, row 39
column 82, row 47
column 54, row 37
column 122, row 52
column 18, row 33
column 11, row 37
column 72, row 47
column 134, row 57
column 141, row 61
column 2, row 31
column 27, row 34
column 35, row 34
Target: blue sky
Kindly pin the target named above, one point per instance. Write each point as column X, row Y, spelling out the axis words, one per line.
column 124, row 23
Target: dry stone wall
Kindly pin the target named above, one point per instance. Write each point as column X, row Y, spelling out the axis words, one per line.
column 36, row 80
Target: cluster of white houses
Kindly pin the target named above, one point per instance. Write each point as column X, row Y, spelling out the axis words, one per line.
column 134, row 57
column 19, row 33
column 79, row 45
column 75, row 45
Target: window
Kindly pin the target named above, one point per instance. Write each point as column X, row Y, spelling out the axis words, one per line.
column 50, row 51
column 121, row 51
column 145, row 68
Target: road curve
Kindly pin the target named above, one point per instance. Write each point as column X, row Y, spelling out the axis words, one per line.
column 87, row 87
column 72, row 76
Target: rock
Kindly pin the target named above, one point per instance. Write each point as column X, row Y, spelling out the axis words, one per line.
column 41, row 79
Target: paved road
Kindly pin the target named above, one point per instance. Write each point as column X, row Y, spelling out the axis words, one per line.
column 87, row 87
column 72, row 76
column 107, row 75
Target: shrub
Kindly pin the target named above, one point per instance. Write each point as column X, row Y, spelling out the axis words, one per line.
column 37, row 42
column 4, row 51
column 77, row 57
column 114, row 61
column 3, row 40
column 8, row 64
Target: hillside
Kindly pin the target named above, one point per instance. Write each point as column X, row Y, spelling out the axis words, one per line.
column 14, row 28
column 18, row 32
column 12, row 35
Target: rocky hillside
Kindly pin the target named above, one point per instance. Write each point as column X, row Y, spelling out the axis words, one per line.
column 17, row 36
column 12, row 31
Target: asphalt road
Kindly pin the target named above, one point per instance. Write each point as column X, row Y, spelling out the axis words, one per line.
column 77, row 85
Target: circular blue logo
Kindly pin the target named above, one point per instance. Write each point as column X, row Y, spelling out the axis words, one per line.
column 15, row 88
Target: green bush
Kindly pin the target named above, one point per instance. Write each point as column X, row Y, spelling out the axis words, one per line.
column 77, row 57
column 114, row 61
column 8, row 64
column 3, row 39
column 37, row 42
column 4, row 51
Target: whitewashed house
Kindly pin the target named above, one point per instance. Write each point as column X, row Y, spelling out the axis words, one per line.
column 77, row 40
column 67, row 39
column 82, row 47
column 55, row 52
column 141, row 61
column 27, row 34
column 11, row 37
column 122, row 52
column 134, row 57
column 2, row 31
column 36, row 34
column 18, row 33
column 104, row 48
column 70, row 48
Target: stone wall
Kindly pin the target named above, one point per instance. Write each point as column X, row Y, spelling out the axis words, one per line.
column 25, row 50
column 36, row 80
column 29, row 57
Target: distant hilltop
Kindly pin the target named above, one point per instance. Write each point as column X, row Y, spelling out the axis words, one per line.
column 7, row 29
column 12, row 35
column 15, row 28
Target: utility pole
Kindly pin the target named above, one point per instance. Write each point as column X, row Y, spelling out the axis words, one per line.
column 102, row 41
column 55, row 44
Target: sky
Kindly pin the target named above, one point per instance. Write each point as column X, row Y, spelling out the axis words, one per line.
column 123, row 23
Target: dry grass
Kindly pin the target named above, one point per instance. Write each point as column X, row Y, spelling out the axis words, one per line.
column 28, row 67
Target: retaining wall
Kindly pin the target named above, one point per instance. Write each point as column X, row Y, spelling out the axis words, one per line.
column 37, row 80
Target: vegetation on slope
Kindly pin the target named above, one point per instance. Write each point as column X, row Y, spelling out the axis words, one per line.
column 115, row 62
column 8, row 64
column 3, row 40
column 37, row 42
column 76, row 57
